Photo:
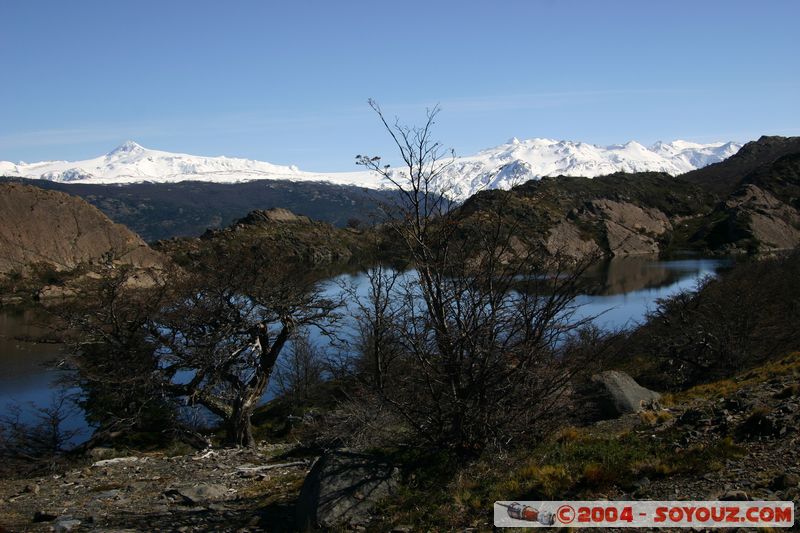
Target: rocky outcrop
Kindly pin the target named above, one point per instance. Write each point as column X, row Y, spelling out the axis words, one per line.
column 616, row 215
column 278, row 232
column 276, row 214
column 565, row 238
column 747, row 203
column 753, row 220
column 771, row 223
column 631, row 229
column 62, row 232
column 343, row 489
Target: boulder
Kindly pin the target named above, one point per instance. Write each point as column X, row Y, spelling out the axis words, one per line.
column 343, row 488
column 616, row 394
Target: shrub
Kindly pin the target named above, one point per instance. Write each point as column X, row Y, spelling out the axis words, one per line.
column 740, row 320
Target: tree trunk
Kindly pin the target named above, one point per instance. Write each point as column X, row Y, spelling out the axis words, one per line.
column 239, row 430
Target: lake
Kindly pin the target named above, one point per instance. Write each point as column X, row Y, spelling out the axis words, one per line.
column 622, row 291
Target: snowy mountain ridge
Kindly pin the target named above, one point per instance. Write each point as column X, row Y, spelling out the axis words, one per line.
column 499, row 167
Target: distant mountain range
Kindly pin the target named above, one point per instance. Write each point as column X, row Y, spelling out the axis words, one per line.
column 499, row 167
column 749, row 203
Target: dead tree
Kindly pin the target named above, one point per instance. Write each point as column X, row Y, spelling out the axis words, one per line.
column 486, row 318
column 301, row 369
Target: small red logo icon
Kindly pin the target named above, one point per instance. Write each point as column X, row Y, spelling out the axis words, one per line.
column 565, row 514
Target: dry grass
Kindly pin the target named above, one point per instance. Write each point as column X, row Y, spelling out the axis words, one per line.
column 654, row 418
column 785, row 366
column 277, row 486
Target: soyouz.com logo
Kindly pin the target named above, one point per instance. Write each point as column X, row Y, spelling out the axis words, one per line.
column 644, row 514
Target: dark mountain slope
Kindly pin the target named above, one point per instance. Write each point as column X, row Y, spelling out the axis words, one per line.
column 762, row 214
column 164, row 210
column 724, row 178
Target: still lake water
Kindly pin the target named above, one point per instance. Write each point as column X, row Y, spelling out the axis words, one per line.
column 623, row 290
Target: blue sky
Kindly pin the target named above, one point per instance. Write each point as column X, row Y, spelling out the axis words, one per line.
column 287, row 82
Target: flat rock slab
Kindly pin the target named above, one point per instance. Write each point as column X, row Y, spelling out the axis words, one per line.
column 343, row 488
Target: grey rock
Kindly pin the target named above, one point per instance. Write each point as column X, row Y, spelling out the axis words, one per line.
column 617, row 394
column 198, row 492
column 217, row 507
column 342, row 488
column 66, row 524
column 734, row 495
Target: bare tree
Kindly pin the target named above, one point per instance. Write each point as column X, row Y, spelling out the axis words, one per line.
column 301, row 368
column 375, row 345
column 38, row 442
column 485, row 318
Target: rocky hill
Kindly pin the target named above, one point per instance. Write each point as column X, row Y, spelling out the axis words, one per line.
column 279, row 233
column 748, row 203
column 761, row 214
column 619, row 214
column 39, row 227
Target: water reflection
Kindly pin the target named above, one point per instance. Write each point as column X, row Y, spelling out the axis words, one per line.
column 632, row 274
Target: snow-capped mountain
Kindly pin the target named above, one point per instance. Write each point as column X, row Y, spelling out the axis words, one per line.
column 499, row 167
column 132, row 163
column 517, row 161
